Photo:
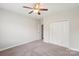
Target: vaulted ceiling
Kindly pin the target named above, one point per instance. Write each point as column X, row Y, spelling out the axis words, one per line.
column 52, row 8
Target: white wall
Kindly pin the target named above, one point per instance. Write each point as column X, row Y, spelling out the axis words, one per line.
column 73, row 16
column 16, row 29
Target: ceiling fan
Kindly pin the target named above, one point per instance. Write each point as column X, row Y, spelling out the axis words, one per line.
column 36, row 8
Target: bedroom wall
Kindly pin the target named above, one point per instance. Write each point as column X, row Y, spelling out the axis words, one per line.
column 70, row 14
column 16, row 29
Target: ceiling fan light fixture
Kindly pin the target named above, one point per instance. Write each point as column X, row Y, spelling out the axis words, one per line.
column 36, row 8
column 35, row 11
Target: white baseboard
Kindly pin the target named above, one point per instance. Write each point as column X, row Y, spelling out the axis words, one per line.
column 33, row 40
column 63, row 46
column 21, row 43
column 45, row 41
column 57, row 44
column 74, row 49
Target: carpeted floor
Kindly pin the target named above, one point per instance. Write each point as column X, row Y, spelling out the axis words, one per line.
column 38, row 48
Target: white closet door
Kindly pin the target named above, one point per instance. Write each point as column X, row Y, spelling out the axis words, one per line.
column 59, row 33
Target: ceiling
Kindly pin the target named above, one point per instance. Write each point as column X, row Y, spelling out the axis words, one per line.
column 52, row 8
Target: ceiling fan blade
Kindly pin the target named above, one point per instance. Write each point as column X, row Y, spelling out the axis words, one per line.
column 27, row 7
column 39, row 13
column 30, row 12
column 44, row 9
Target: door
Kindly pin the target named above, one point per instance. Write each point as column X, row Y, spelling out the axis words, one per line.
column 59, row 33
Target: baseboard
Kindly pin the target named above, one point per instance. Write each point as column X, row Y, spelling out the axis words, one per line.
column 21, row 43
column 45, row 41
column 74, row 49
column 63, row 46
column 33, row 40
column 57, row 44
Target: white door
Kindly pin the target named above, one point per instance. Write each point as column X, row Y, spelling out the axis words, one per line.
column 59, row 33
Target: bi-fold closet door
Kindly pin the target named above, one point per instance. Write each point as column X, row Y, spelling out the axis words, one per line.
column 59, row 33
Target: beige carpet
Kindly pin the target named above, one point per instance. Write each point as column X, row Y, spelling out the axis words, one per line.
column 38, row 48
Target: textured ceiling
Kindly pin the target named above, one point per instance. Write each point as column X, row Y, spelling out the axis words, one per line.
column 52, row 8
